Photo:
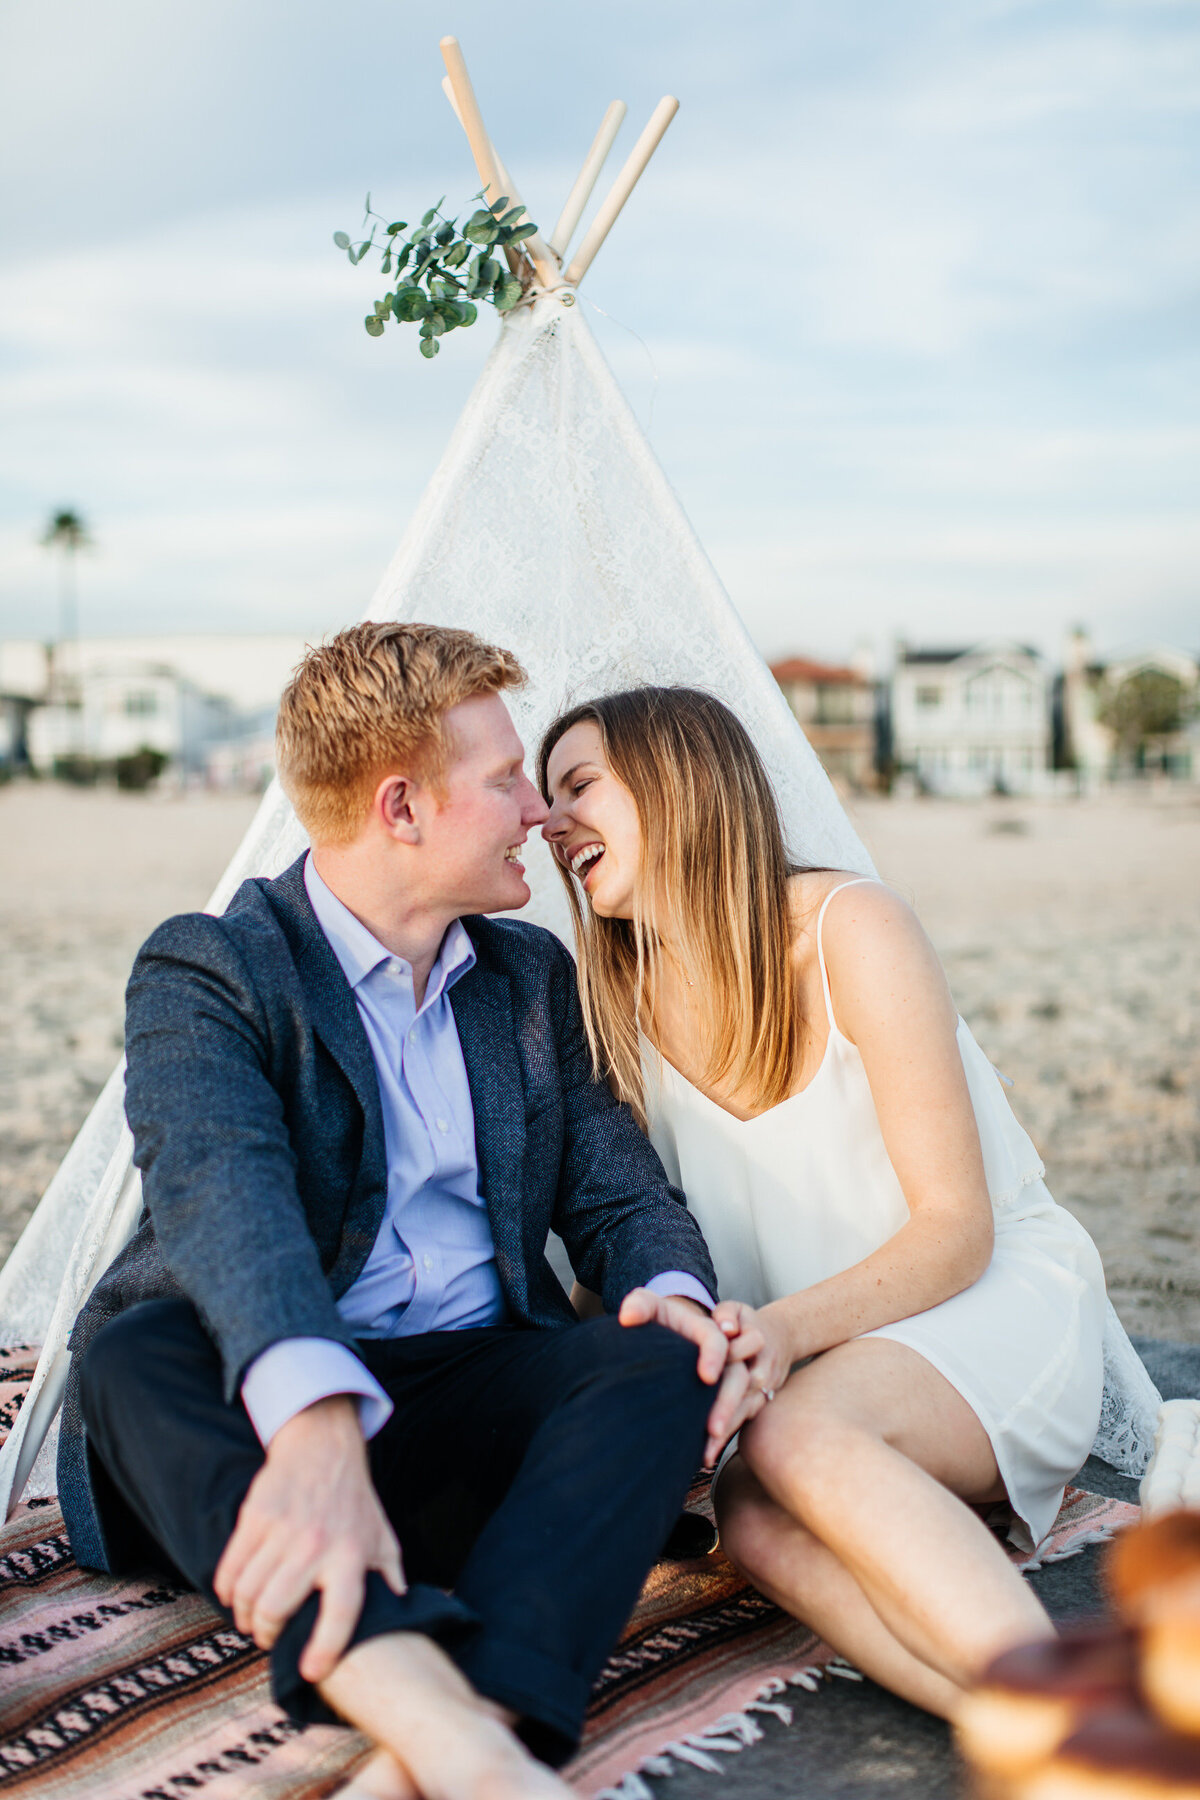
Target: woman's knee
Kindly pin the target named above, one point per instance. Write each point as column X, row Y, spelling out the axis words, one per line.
column 802, row 1448
column 750, row 1522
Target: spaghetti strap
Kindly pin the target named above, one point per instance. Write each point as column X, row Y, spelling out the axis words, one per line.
column 857, row 882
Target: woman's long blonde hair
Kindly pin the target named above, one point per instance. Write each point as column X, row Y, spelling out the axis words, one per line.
column 714, row 863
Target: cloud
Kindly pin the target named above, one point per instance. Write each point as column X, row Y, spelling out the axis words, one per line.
column 907, row 300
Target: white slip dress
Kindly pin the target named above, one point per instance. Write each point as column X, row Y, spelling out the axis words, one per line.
column 807, row 1189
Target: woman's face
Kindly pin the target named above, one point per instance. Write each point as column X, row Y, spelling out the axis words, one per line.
column 593, row 826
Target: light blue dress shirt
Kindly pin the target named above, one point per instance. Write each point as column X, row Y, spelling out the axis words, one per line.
column 432, row 1266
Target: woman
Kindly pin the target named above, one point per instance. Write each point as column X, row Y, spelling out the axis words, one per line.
column 930, row 1322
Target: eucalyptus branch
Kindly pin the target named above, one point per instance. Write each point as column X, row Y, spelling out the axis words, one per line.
column 445, row 271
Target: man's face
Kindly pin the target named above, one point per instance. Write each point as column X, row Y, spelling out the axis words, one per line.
column 474, row 832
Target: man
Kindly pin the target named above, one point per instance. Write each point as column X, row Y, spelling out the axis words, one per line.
column 333, row 1377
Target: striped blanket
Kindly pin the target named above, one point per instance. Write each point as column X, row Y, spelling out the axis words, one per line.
column 131, row 1688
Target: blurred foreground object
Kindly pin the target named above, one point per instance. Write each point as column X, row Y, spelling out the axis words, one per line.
column 1172, row 1479
column 1112, row 1709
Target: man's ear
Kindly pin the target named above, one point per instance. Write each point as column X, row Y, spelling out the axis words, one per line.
column 393, row 807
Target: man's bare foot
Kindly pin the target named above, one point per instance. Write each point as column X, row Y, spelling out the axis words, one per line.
column 442, row 1737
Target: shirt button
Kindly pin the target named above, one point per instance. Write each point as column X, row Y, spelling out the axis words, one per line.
column 443, row 1125
column 427, row 1261
column 394, row 967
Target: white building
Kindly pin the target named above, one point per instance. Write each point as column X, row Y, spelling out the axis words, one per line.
column 973, row 721
column 1091, row 747
column 105, row 699
column 250, row 671
column 117, row 711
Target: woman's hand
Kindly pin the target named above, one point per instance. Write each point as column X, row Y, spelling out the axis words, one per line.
column 757, row 1338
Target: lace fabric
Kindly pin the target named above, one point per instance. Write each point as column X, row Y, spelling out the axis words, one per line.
column 548, row 527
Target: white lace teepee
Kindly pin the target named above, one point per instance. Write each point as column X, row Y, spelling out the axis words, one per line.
column 550, row 528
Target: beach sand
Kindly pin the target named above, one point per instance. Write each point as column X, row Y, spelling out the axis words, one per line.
column 1070, row 931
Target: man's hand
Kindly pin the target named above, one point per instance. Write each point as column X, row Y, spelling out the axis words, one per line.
column 641, row 1306
column 737, row 1398
column 311, row 1520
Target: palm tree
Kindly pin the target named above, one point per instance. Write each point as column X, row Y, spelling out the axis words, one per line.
column 68, row 534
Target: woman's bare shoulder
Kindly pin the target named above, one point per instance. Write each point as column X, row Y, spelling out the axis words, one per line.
column 871, row 902
column 880, row 960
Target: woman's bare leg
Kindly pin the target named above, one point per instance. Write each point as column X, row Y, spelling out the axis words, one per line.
column 874, row 1452
column 791, row 1567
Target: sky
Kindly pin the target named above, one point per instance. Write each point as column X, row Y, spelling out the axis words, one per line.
column 908, row 301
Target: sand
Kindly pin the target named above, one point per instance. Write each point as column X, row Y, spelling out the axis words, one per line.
column 1070, row 931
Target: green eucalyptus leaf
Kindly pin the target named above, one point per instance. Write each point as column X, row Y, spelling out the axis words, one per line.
column 499, row 205
column 399, row 225
column 469, row 313
column 429, row 346
column 446, row 235
column 429, row 217
column 402, row 256
column 342, row 240
column 374, row 326
column 456, row 257
column 508, row 292
column 386, row 264
column 520, row 232
column 437, row 321
column 510, row 218
column 483, row 233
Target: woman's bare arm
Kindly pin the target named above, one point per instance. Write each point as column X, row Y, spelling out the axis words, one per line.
column 891, row 1000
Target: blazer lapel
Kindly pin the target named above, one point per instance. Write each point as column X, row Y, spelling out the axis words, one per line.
column 332, row 1011
column 482, row 1004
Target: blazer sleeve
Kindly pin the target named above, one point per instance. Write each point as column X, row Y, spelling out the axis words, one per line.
column 620, row 1218
column 211, row 1141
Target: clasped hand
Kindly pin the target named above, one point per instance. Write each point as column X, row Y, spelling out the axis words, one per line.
column 740, row 1354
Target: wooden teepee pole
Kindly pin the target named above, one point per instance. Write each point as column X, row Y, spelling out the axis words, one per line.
column 585, row 181
column 487, row 162
column 622, row 187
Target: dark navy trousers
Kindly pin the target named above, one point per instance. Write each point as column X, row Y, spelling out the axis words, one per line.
column 530, row 1476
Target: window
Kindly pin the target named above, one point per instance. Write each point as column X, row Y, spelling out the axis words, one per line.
column 835, row 705
column 141, row 703
column 928, row 697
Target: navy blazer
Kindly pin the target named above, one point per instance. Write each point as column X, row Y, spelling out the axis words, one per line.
column 254, row 1105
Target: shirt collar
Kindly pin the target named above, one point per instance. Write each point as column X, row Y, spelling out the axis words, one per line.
column 359, row 950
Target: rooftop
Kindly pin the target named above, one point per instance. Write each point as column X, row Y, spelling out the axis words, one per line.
column 802, row 668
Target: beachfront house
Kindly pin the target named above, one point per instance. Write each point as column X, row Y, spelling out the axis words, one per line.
column 116, row 712
column 836, row 706
column 1134, row 714
column 94, row 703
column 972, row 721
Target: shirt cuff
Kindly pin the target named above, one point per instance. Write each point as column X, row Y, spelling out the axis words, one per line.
column 296, row 1372
column 683, row 1287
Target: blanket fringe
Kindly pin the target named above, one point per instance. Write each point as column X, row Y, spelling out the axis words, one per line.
column 728, row 1734
column 732, row 1733
column 1101, row 1534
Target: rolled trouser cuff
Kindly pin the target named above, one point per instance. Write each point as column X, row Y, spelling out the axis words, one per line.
column 549, row 1701
column 425, row 1609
